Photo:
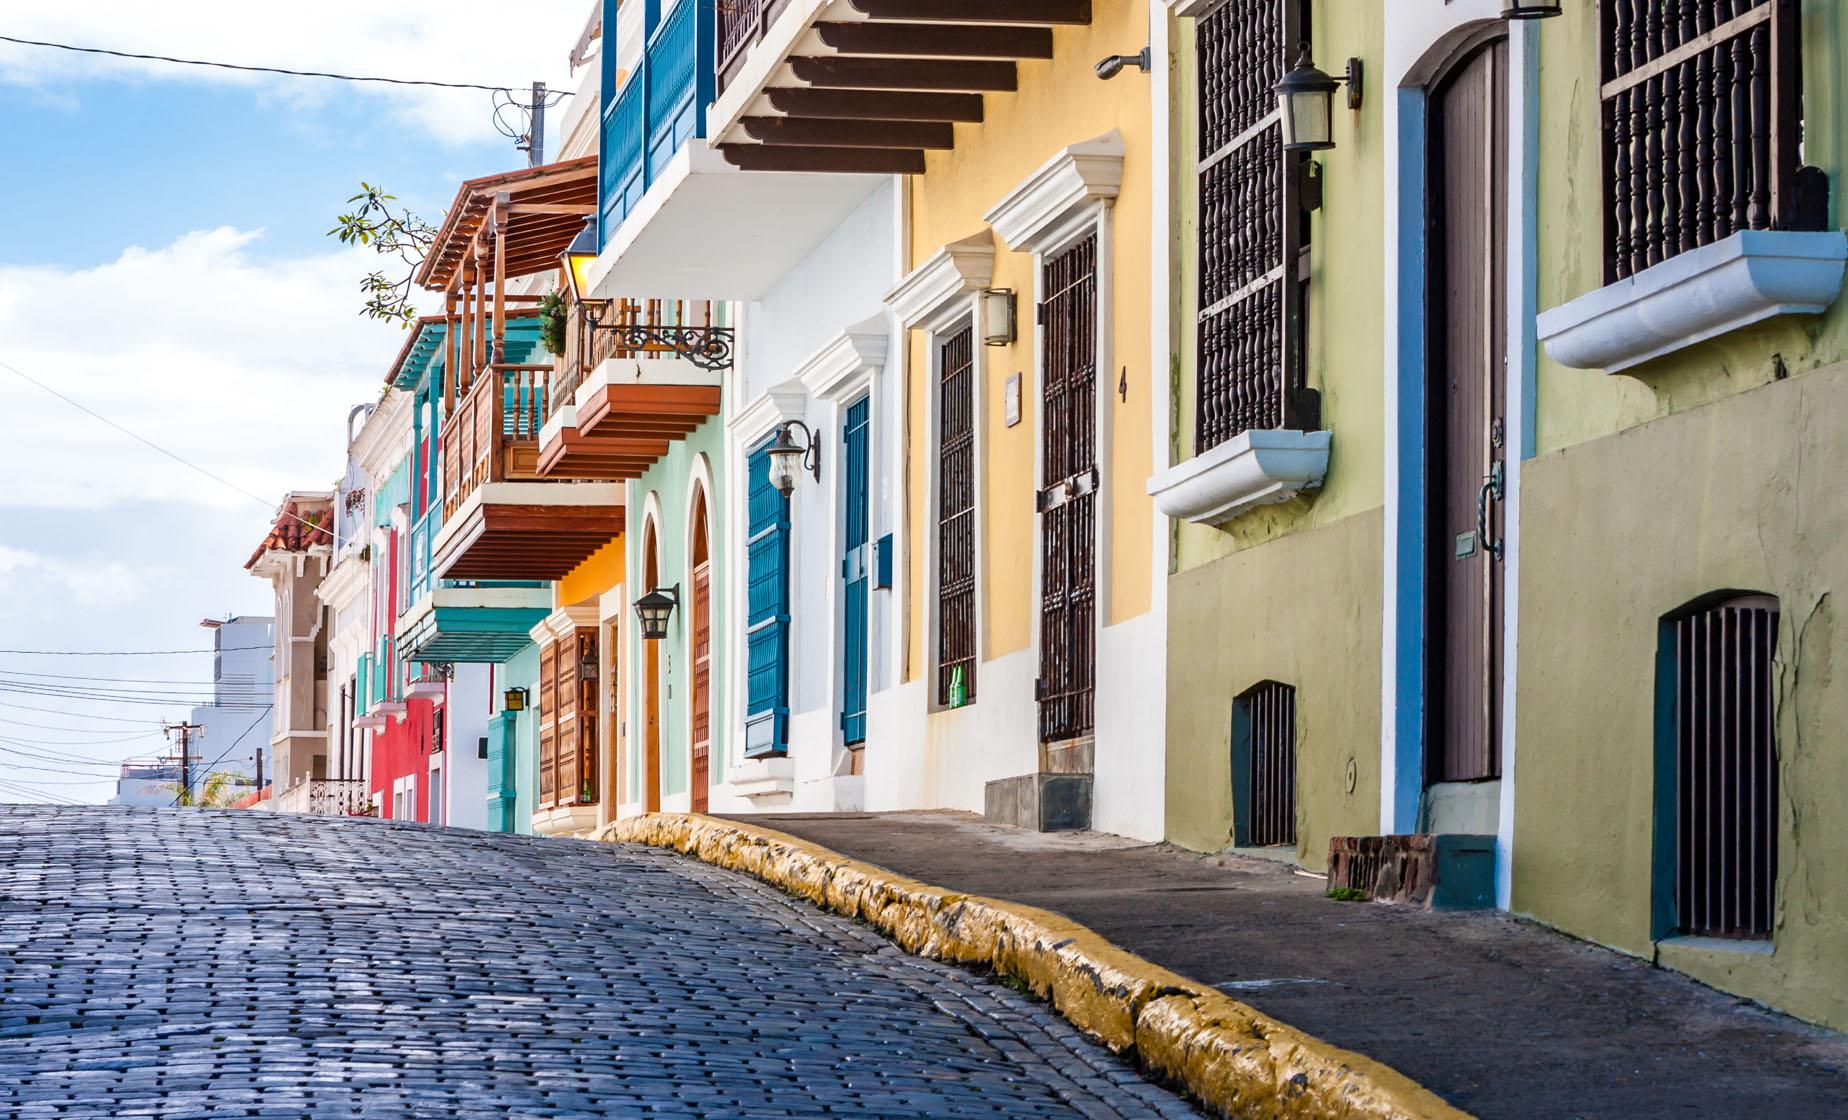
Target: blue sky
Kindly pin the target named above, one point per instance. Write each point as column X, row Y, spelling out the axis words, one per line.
column 165, row 263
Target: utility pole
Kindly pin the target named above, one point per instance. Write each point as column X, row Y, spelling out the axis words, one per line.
column 534, row 144
column 186, row 731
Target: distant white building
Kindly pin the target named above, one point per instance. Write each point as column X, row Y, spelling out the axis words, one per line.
column 233, row 730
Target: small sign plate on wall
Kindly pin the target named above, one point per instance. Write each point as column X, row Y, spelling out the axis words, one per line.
column 1466, row 544
column 1011, row 401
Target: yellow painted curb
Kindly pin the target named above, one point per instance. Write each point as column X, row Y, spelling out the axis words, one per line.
column 1228, row 1056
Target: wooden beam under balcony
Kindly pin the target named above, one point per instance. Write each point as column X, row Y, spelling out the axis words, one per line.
column 811, row 132
column 860, row 161
column 870, row 105
column 1032, row 13
column 936, row 40
column 906, row 73
column 511, row 540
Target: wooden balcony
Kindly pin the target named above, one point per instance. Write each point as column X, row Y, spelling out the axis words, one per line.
column 867, row 85
column 630, row 389
column 500, row 521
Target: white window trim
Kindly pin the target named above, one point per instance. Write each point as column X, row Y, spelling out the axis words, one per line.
column 837, row 376
column 700, row 479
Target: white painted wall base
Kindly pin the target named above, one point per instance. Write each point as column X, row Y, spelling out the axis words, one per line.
column 1127, row 794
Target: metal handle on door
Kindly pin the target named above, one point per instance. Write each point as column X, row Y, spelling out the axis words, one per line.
column 1491, row 488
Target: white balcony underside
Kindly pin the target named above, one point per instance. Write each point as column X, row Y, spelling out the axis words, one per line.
column 707, row 230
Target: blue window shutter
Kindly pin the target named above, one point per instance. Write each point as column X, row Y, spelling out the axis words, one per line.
column 766, row 636
column 855, row 562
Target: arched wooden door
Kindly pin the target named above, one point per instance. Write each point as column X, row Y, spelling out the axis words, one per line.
column 701, row 658
column 1466, row 432
column 651, row 684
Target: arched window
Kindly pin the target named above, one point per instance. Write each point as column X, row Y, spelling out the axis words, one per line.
column 1264, row 766
column 1716, row 773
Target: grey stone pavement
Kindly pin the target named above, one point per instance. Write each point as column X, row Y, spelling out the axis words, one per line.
column 188, row 963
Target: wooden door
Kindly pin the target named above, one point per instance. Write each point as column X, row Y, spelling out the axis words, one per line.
column 1067, row 500
column 856, row 564
column 701, row 775
column 1466, row 429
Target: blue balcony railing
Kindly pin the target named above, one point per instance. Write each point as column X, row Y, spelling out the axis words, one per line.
column 660, row 106
column 422, row 534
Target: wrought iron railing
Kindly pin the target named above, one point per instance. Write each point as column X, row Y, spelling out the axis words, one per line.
column 740, row 24
column 1702, row 127
column 631, row 328
column 326, row 797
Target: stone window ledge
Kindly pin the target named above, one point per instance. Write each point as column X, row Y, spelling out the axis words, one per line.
column 762, row 777
column 1251, row 469
column 1697, row 295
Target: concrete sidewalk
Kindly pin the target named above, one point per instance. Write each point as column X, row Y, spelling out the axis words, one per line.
column 1500, row 1017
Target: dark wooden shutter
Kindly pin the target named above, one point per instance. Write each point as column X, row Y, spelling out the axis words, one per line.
column 1702, row 119
column 956, row 652
column 1253, row 228
column 1068, row 499
column 702, row 685
column 548, row 724
column 766, row 724
column 1726, row 770
column 856, row 561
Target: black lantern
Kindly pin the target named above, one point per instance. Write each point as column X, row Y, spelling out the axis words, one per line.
column 1531, row 9
column 787, row 456
column 1306, row 100
column 578, row 261
column 654, row 609
column 513, row 700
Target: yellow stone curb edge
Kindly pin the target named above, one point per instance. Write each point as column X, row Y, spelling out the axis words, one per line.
column 1225, row 1054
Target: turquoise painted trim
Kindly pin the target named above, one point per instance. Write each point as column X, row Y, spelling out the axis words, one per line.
column 1409, row 407
column 1664, row 858
column 856, row 565
column 766, row 635
column 522, row 671
column 395, row 492
column 658, row 109
column 1527, row 308
column 422, row 365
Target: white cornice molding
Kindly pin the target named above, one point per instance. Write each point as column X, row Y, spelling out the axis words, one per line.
column 859, row 349
column 1251, row 469
column 383, row 437
column 1697, row 295
column 1079, row 175
column 957, row 269
column 785, row 401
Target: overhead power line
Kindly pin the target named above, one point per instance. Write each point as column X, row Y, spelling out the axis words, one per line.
column 253, row 69
column 207, row 768
column 119, row 652
column 19, row 788
column 143, row 721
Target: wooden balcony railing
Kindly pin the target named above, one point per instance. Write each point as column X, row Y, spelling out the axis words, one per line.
column 493, row 436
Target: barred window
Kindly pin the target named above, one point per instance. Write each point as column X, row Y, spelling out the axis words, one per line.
column 1264, row 766
column 1702, row 127
column 956, row 515
column 1253, row 227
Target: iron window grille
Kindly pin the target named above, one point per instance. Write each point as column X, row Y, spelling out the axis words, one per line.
column 1068, row 499
column 1264, row 766
column 956, row 645
column 1254, row 227
column 1702, row 119
column 1724, row 769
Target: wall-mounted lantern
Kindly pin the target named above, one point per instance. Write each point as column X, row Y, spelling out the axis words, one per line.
column 787, row 456
column 513, row 700
column 1306, row 98
column 587, row 666
column 578, row 259
column 1111, row 65
column 1532, row 9
column 654, row 609
column 999, row 321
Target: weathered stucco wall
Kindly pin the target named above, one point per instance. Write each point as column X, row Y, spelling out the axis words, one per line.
column 1578, row 405
column 1060, row 102
column 1345, row 313
column 1744, row 494
column 1303, row 610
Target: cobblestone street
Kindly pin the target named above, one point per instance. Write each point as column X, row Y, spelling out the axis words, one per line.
column 180, row 963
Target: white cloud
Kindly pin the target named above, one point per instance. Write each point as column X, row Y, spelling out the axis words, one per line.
column 88, row 581
column 438, row 40
column 241, row 363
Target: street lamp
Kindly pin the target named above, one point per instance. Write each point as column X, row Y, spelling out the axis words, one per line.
column 1531, row 9
column 787, row 456
column 1306, row 100
column 654, row 608
column 513, row 700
